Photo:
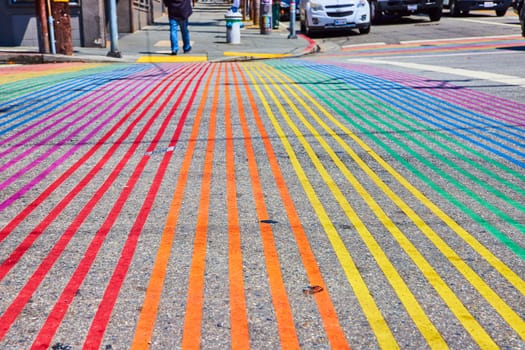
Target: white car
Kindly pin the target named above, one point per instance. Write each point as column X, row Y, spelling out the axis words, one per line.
column 318, row 15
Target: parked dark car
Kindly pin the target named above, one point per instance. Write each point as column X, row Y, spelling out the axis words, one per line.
column 398, row 8
column 463, row 7
column 519, row 8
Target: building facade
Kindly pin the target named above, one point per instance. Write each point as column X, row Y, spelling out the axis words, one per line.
column 89, row 20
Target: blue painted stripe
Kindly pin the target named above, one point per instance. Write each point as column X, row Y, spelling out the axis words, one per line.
column 408, row 104
column 47, row 97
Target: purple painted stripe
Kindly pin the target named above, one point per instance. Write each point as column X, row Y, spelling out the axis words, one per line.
column 71, row 151
column 49, row 138
column 501, row 109
column 91, row 96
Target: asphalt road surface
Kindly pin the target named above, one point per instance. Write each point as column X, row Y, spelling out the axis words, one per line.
column 370, row 197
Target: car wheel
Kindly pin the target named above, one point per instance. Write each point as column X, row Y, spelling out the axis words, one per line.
column 375, row 12
column 364, row 30
column 435, row 14
column 501, row 13
column 454, row 9
column 307, row 29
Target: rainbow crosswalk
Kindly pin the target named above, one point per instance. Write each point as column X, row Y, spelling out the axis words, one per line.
column 294, row 203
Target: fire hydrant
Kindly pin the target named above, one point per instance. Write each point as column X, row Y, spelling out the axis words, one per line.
column 233, row 27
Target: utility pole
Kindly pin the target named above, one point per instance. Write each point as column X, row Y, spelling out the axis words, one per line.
column 255, row 9
column 113, row 30
column 40, row 7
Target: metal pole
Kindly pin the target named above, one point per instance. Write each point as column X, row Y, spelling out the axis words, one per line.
column 40, row 6
column 114, row 51
column 292, row 20
column 51, row 27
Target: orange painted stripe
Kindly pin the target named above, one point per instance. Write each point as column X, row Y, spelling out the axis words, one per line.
column 333, row 329
column 240, row 338
column 191, row 334
column 148, row 315
column 283, row 312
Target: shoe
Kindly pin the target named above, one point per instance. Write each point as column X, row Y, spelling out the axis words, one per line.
column 188, row 50
column 174, row 53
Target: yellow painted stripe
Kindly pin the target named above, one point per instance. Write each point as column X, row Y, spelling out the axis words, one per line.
column 172, row 59
column 334, row 331
column 377, row 322
column 496, row 263
column 414, row 309
column 505, row 311
column 256, row 55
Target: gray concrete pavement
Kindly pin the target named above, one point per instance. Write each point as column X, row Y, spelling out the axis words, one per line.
column 208, row 36
column 335, row 202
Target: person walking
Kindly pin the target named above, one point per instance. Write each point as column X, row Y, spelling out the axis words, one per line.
column 178, row 12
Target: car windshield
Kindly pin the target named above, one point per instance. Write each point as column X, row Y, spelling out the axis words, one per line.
column 287, row 2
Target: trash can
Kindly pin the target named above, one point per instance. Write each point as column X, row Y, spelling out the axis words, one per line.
column 233, row 27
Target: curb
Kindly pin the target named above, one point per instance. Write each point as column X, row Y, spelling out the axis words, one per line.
column 38, row 58
column 13, row 57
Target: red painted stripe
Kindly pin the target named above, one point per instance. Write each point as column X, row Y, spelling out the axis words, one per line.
column 24, row 295
column 58, row 312
column 101, row 319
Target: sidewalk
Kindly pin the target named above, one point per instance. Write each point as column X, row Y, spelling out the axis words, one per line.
column 208, row 36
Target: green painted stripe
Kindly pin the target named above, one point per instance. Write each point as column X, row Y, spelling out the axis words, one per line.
column 489, row 206
column 357, row 99
column 513, row 319
column 18, row 88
